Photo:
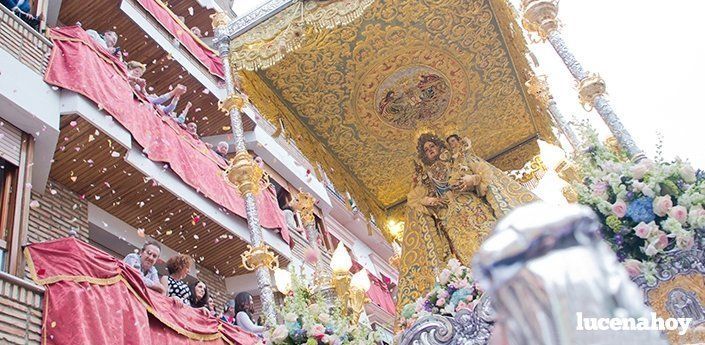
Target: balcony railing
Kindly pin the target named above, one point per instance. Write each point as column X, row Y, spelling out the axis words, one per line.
column 20, row 311
column 300, row 245
column 23, row 42
column 287, row 144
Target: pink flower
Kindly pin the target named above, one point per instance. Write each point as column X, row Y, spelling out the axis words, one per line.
column 461, row 283
column 643, row 230
column 662, row 204
column 318, row 330
column 619, row 208
column 311, row 256
column 441, row 302
column 679, row 213
column 599, row 188
column 633, row 267
column 659, row 239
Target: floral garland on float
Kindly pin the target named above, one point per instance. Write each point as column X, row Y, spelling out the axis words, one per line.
column 649, row 209
column 455, row 290
column 309, row 319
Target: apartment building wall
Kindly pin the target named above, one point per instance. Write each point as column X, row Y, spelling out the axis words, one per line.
column 55, row 213
column 20, row 312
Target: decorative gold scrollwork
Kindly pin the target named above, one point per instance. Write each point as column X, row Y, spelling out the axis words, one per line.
column 304, row 204
column 219, row 20
column 259, row 256
column 537, row 86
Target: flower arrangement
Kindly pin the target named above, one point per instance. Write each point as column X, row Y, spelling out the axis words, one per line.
column 454, row 290
column 648, row 208
column 309, row 320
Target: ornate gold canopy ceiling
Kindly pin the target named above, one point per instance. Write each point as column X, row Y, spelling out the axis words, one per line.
column 355, row 98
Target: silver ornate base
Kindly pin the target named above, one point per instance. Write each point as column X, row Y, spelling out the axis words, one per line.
column 466, row 327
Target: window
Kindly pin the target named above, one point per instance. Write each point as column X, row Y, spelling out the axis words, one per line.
column 8, row 187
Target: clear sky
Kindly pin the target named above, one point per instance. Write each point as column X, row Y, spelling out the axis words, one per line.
column 651, row 54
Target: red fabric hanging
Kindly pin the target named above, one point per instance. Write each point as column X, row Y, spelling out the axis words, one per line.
column 378, row 292
column 78, row 64
column 93, row 298
column 207, row 56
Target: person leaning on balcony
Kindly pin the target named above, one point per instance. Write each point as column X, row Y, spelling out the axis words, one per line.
column 211, row 307
column 199, row 294
column 244, row 308
column 135, row 71
column 174, row 95
column 229, row 312
column 144, row 264
column 178, row 267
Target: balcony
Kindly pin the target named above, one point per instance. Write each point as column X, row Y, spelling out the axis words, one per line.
column 20, row 311
column 23, row 43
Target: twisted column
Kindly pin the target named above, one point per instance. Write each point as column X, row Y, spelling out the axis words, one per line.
column 243, row 174
column 540, row 17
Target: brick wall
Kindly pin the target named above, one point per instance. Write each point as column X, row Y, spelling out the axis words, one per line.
column 55, row 213
column 20, row 314
column 216, row 287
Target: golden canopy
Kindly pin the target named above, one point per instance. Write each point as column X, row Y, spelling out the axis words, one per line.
column 354, row 98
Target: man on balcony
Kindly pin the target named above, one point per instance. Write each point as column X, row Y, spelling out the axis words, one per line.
column 144, row 263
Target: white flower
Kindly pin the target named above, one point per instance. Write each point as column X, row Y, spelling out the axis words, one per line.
column 279, row 334
column 671, row 225
column 687, row 173
column 444, row 277
column 324, row 318
column 290, row 317
column 448, row 309
column 696, row 217
column 650, row 250
column 453, row 264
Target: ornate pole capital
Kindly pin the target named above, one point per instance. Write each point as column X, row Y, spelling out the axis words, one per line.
column 537, row 86
column 540, row 17
column 259, row 256
column 589, row 88
column 304, row 205
column 219, row 20
column 234, row 101
column 244, row 173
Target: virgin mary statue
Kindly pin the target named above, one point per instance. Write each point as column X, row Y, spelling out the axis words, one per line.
column 454, row 202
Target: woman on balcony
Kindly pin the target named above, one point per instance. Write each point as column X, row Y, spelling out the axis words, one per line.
column 199, row 295
column 178, row 267
column 244, row 308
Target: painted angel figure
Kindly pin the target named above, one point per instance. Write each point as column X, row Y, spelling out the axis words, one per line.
column 455, row 200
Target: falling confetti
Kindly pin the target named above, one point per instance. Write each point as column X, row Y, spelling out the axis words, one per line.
column 34, row 204
column 140, row 232
column 115, row 154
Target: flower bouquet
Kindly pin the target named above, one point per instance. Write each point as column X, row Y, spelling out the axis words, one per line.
column 455, row 290
column 308, row 320
column 648, row 208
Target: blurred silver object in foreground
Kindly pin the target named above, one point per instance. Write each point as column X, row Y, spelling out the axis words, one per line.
column 544, row 264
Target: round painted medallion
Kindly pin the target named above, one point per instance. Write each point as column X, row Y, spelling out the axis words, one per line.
column 413, row 87
column 411, row 95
